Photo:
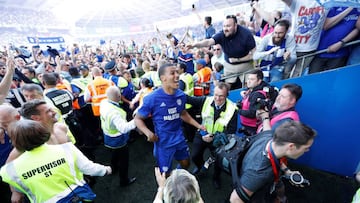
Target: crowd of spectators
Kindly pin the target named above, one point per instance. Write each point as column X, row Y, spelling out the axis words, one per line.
column 15, row 17
column 122, row 61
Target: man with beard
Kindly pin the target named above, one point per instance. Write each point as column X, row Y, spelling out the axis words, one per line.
column 238, row 46
column 276, row 51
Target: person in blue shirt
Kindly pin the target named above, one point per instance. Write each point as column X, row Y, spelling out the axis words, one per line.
column 166, row 105
column 238, row 45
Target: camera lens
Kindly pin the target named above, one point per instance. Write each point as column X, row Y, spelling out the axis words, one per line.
column 296, row 177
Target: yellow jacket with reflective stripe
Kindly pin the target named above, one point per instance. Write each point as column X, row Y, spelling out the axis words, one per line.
column 41, row 173
column 207, row 115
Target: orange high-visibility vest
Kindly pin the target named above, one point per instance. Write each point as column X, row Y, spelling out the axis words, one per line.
column 97, row 89
column 204, row 75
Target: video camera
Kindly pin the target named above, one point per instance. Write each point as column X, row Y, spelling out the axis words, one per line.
column 270, row 97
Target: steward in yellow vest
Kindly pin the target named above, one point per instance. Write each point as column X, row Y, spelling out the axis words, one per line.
column 116, row 133
column 48, row 173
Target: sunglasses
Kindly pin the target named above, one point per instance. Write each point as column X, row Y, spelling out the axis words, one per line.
column 216, row 49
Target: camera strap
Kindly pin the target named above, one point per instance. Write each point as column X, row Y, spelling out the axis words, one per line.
column 274, row 162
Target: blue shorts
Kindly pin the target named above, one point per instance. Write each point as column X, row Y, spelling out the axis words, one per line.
column 165, row 156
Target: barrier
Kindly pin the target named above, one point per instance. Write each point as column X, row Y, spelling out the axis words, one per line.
column 329, row 104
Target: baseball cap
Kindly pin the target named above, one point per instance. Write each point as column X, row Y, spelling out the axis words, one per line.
column 201, row 61
column 83, row 66
column 110, row 65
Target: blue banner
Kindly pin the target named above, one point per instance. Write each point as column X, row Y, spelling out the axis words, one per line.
column 44, row 43
column 46, row 40
column 339, row 3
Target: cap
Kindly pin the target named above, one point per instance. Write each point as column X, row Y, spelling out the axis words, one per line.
column 110, row 65
column 201, row 61
column 83, row 66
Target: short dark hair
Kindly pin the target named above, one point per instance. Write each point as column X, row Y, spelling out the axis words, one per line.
column 293, row 132
column 208, row 20
column 27, row 134
column 182, row 66
column 30, row 69
column 283, row 22
column 30, row 108
column 294, row 89
column 49, row 79
column 163, row 68
column 146, row 82
column 259, row 74
column 218, row 66
column 232, row 17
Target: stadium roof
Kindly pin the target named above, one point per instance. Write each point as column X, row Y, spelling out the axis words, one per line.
column 123, row 13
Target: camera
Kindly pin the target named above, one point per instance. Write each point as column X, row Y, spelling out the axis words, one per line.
column 264, row 104
column 297, row 179
column 270, row 97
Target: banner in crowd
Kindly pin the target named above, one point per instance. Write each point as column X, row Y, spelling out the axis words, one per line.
column 43, row 42
column 339, row 3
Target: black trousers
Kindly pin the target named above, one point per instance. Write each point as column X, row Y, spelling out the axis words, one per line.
column 197, row 155
column 5, row 192
column 120, row 162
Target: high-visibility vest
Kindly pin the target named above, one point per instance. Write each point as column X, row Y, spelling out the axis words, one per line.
column 252, row 122
column 97, row 89
column 153, row 76
column 189, row 83
column 61, row 101
column 47, row 173
column 204, row 75
column 207, row 115
column 64, row 85
column 189, row 86
column 112, row 137
column 356, row 198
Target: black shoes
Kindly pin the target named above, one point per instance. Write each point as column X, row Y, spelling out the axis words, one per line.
column 129, row 182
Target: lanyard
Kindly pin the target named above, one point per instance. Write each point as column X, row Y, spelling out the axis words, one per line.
column 274, row 162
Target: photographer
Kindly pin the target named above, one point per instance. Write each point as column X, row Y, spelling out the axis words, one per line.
column 291, row 139
column 282, row 111
column 250, row 102
column 284, row 107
